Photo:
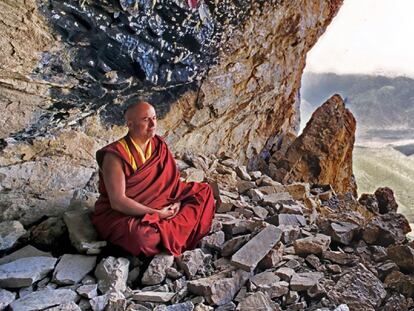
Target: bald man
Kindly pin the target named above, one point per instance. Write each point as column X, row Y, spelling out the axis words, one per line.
column 143, row 206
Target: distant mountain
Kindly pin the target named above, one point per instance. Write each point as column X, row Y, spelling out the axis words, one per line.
column 383, row 106
column 379, row 167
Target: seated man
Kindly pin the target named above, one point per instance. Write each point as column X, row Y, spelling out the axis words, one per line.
column 143, row 206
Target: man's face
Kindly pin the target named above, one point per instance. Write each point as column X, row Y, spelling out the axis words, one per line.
column 142, row 121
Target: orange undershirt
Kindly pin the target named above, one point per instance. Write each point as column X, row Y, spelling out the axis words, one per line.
column 141, row 155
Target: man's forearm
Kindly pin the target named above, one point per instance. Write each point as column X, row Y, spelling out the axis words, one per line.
column 130, row 207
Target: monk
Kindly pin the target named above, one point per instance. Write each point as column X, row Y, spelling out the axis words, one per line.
column 143, row 206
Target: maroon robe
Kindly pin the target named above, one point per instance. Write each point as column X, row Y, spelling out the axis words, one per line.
column 156, row 184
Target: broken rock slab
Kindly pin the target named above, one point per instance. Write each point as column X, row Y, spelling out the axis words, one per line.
column 43, row 299
column 112, row 273
column 24, row 272
column 305, row 280
column 219, row 288
column 10, row 232
column 287, row 220
column 82, row 233
column 71, row 269
column 256, row 249
column 156, row 271
column 312, row 245
column 27, row 251
column 267, row 282
column 152, row 296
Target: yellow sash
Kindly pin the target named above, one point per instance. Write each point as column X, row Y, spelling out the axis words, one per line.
column 143, row 158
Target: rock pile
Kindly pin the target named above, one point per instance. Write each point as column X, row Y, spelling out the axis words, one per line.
column 271, row 247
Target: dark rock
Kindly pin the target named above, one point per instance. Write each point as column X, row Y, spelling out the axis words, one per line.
column 47, row 233
column 386, row 200
column 386, row 229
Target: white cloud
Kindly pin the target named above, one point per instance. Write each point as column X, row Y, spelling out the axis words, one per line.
column 367, row 36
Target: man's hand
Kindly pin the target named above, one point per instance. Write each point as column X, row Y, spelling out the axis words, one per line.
column 169, row 211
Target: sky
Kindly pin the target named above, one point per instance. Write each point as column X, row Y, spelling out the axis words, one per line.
column 367, row 37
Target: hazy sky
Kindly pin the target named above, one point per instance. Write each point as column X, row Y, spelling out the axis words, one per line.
column 367, row 36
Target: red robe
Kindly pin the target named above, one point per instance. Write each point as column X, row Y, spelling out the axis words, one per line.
column 156, row 184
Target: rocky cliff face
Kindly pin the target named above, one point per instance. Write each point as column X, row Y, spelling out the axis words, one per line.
column 224, row 77
column 322, row 154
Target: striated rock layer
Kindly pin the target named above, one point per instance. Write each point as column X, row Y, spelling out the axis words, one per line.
column 224, row 77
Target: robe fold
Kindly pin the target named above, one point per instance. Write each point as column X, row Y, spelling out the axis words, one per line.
column 156, row 184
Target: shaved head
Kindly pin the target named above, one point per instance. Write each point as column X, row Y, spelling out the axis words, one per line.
column 131, row 110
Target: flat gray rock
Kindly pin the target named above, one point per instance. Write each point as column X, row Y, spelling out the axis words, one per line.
column 71, row 269
column 152, row 296
column 24, row 272
column 112, row 272
column 156, row 273
column 6, row 298
column 27, row 251
column 256, row 249
column 10, row 232
column 44, row 299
